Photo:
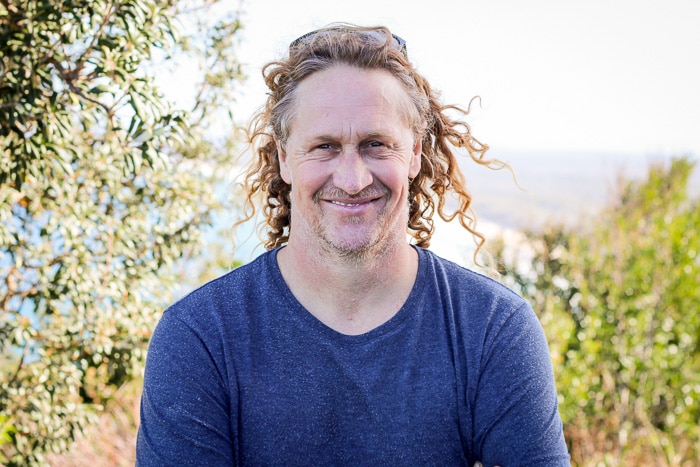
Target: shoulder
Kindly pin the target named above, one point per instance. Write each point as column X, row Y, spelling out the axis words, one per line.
column 243, row 283
column 460, row 281
column 208, row 322
column 483, row 308
column 223, row 304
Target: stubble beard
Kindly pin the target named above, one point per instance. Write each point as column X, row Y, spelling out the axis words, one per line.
column 356, row 249
column 377, row 241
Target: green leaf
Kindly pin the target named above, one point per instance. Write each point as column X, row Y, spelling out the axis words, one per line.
column 92, row 214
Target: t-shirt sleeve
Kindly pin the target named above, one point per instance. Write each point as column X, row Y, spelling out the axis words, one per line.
column 516, row 419
column 185, row 405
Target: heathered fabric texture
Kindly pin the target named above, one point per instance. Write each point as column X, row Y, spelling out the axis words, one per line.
column 239, row 372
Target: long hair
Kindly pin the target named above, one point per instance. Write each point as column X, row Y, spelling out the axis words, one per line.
column 441, row 135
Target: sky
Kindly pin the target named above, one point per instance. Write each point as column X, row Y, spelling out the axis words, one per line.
column 601, row 80
column 611, row 76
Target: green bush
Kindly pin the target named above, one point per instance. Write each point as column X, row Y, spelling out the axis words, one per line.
column 104, row 186
column 619, row 299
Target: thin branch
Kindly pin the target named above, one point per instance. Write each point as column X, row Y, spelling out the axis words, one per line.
column 108, row 15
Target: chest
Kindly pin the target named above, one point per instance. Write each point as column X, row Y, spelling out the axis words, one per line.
column 312, row 401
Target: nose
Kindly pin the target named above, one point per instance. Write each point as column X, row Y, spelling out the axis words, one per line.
column 351, row 174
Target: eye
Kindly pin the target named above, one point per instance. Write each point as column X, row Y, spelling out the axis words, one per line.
column 375, row 148
column 325, row 147
column 323, row 150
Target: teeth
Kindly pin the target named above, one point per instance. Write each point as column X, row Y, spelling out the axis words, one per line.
column 344, row 204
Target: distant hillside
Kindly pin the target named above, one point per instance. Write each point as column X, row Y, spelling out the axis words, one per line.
column 561, row 187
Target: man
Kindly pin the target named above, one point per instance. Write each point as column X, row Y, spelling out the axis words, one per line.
column 345, row 344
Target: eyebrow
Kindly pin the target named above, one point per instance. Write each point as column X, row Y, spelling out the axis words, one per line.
column 364, row 136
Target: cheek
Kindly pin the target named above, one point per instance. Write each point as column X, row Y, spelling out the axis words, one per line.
column 307, row 181
column 395, row 175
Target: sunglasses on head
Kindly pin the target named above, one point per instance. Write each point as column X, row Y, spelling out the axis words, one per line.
column 372, row 34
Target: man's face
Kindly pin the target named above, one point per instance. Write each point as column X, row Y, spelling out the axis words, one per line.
column 348, row 158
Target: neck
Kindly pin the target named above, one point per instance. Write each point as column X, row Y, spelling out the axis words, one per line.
column 350, row 293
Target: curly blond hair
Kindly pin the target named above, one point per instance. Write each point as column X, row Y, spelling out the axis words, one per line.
column 441, row 135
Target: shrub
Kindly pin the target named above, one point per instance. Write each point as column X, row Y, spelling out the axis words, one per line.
column 620, row 302
column 103, row 188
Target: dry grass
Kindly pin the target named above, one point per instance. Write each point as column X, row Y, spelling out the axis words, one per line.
column 112, row 442
column 603, row 449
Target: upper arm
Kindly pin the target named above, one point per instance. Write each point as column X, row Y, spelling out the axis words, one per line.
column 185, row 406
column 516, row 419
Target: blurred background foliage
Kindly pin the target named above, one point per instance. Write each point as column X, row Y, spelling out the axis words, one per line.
column 105, row 186
column 619, row 299
column 107, row 196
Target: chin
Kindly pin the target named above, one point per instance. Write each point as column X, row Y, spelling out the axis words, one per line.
column 361, row 247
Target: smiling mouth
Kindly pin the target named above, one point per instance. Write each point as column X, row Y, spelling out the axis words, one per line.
column 344, row 200
column 349, row 204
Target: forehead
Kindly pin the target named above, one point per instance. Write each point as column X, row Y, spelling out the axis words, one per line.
column 345, row 93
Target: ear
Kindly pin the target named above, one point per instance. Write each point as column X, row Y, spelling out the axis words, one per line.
column 285, row 173
column 415, row 162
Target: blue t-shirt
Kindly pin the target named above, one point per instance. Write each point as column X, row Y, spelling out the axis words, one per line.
column 238, row 372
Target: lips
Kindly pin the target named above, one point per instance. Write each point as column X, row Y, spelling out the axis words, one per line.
column 341, row 199
column 350, row 205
